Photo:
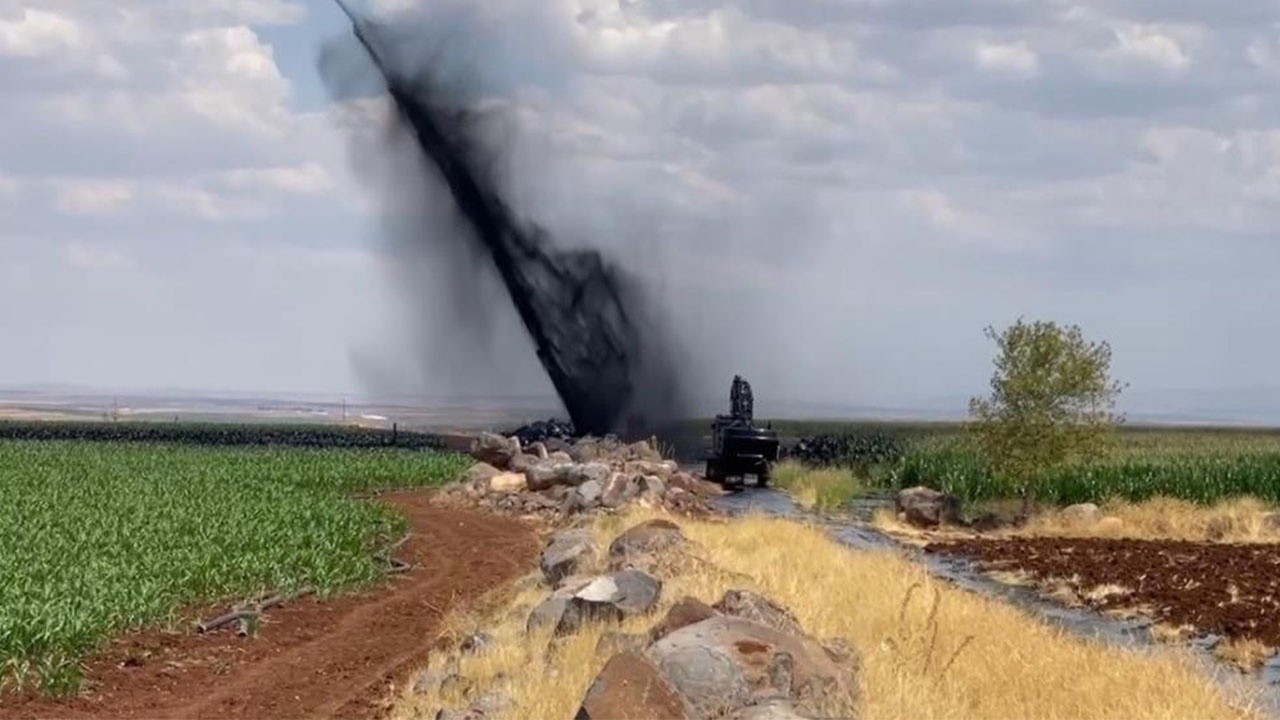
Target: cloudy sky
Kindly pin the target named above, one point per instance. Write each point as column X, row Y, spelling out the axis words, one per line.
column 832, row 197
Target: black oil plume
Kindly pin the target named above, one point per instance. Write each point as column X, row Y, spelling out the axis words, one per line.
column 587, row 318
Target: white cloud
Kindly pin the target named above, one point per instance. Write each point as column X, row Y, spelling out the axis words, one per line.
column 1149, row 45
column 306, row 179
column 93, row 197
column 1014, row 58
column 38, row 33
column 870, row 166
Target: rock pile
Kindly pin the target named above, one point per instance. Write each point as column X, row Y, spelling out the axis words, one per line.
column 745, row 657
column 558, row 479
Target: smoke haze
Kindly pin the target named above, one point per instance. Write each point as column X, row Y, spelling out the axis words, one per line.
column 605, row 353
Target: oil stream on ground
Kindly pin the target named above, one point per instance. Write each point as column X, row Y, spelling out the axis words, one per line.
column 1262, row 692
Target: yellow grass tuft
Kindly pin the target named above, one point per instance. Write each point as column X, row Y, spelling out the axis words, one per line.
column 1247, row 654
column 1237, row 520
column 821, row 488
column 928, row 650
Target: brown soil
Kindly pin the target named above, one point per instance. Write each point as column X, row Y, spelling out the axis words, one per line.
column 337, row 658
column 1229, row 590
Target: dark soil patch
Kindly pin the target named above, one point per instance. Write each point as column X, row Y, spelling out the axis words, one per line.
column 1229, row 590
column 339, row 658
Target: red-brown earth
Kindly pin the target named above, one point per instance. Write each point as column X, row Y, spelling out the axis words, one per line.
column 343, row 657
column 1231, row 590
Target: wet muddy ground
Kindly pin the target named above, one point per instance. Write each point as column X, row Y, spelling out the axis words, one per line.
column 1227, row 590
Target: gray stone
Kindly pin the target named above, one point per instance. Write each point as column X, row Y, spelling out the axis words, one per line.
column 589, row 472
column 480, row 473
column 568, row 552
column 610, row 598
column 560, row 457
column 642, row 545
column 522, row 462
column 637, row 592
column 538, row 450
column 589, row 493
column 617, row 491
column 549, row 474
column 654, row 486
column 768, row 710
column 724, row 664
column 611, row 643
column 601, row 598
column 758, row 608
column 585, row 450
column 687, row 611
column 642, row 450
column 662, row 469
column 927, row 508
column 494, row 449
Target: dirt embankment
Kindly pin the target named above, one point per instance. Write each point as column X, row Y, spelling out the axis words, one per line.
column 311, row 659
column 1227, row 589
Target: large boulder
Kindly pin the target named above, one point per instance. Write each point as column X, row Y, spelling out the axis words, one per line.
column 597, row 472
column 605, row 598
column 663, row 469
column 695, row 485
column 494, row 449
column 687, row 611
column 568, row 552
column 589, row 493
column 523, row 462
column 507, row 483
column 927, row 508
column 544, row 476
column 642, row 450
column 618, row 490
column 631, row 688
column 645, row 543
column 612, row 642
column 724, row 664
column 480, row 473
column 758, row 608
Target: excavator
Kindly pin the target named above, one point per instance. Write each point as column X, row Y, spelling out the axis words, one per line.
column 738, row 447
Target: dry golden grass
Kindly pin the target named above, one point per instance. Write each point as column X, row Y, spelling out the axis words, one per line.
column 820, row 488
column 1246, row 654
column 928, row 650
column 1238, row 520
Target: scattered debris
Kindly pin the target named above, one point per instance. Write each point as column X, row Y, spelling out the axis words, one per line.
column 594, row 474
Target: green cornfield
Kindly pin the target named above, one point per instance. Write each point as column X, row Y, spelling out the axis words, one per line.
column 100, row 538
column 1200, row 467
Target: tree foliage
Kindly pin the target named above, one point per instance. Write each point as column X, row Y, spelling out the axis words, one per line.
column 1052, row 400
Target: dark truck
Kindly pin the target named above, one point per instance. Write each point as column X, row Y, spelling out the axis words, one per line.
column 738, row 447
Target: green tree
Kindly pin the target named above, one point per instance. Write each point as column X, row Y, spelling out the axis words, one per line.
column 1052, row 401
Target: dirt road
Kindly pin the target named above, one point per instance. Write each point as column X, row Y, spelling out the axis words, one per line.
column 1229, row 590
column 311, row 659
